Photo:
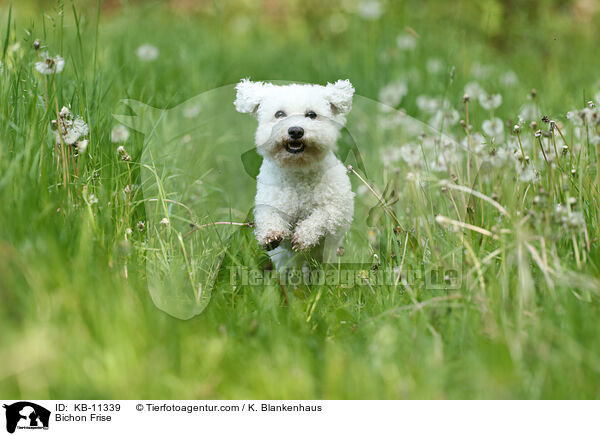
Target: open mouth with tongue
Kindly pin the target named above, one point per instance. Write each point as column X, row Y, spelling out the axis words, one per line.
column 294, row 147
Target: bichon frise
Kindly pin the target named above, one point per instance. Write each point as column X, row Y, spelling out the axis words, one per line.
column 304, row 201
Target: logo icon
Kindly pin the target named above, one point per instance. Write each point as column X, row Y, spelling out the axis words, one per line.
column 26, row 415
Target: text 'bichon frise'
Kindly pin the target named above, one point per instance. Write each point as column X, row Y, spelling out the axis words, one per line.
column 304, row 201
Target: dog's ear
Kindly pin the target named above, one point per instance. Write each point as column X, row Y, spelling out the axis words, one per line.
column 249, row 96
column 339, row 95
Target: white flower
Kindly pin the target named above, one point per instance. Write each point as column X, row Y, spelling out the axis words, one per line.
column 68, row 127
column 390, row 155
column 192, row 111
column 526, row 174
column 490, row 101
column 164, row 221
column 444, row 160
column 411, row 154
column 147, row 52
column 77, row 129
column 406, row 42
column 428, row 104
column 92, row 199
column 501, row 156
column 493, row 128
column 393, row 93
column 444, row 118
column 528, row 112
column 474, row 90
column 434, row 66
column 119, row 133
column 338, row 23
column 370, row 9
column 480, row 71
column 49, row 65
column 362, row 190
column 589, row 115
column 478, row 143
column 509, row 78
column 81, row 146
column 574, row 117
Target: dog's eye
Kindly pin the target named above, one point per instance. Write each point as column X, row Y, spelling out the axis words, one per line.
column 279, row 114
column 310, row 114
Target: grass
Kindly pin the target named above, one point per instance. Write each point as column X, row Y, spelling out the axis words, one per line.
column 78, row 320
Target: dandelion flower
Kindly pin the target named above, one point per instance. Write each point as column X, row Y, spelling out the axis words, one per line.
column 434, row 66
column 393, row 93
column 526, row 174
column 338, row 23
column 92, row 199
column 69, row 127
column 119, row 133
column 509, row 78
column 493, row 128
column 411, row 154
column 77, row 129
column 480, row 71
column 490, row 101
column 574, row 117
column 428, row 104
column 192, row 111
column 390, row 155
column 528, row 112
column 444, row 118
column 406, row 42
column 370, row 9
column 81, row 146
column 474, row 89
column 147, row 52
column 49, row 65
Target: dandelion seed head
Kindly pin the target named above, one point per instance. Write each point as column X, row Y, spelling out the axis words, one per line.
column 490, row 101
column 509, row 78
column 81, row 146
column 406, row 42
column 370, row 10
column 428, row 104
column 147, row 52
column 119, row 133
column 77, row 129
column 392, row 94
column 493, row 128
column 473, row 90
column 50, row 65
column 434, row 66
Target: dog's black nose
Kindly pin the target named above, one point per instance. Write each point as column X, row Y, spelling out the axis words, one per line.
column 296, row 132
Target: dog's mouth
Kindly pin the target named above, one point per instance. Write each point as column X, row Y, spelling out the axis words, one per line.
column 294, row 147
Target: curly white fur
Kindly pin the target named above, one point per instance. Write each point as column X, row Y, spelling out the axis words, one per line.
column 304, row 201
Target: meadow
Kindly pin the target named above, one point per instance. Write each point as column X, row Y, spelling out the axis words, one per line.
column 474, row 151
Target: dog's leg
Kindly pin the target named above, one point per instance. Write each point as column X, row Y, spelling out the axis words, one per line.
column 270, row 228
column 322, row 222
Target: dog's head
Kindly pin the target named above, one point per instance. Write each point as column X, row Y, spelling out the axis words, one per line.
column 297, row 124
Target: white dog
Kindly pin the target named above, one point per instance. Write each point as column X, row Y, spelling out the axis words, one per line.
column 304, row 201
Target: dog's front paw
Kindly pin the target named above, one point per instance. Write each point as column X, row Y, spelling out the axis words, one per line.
column 302, row 240
column 271, row 239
